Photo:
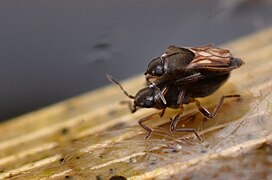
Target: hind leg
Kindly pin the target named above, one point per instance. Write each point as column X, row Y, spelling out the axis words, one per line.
column 209, row 114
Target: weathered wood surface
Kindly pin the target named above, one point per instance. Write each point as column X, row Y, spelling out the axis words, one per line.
column 92, row 136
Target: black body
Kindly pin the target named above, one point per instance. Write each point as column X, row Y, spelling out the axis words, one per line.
column 204, row 85
column 177, row 62
column 201, row 88
column 173, row 61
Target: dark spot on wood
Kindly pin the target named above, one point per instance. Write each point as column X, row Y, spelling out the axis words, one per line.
column 68, row 177
column 153, row 163
column 73, row 140
column 249, row 136
column 112, row 113
column 111, row 170
column 118, row 178
column 132, row 160
column 239, row 99
column 64, row 131
column 61, row 160
column 102, row 155
column 175, row 151
column 99, row 177
column 77, row 157
column 205, row 119
column 117, row 126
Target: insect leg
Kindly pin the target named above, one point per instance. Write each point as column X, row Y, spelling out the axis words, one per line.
column 148, row 129
column 207, row 113
column 162, row 112
column 162, row 93
column 148, row 81
column 192, row 130
column 176, row 120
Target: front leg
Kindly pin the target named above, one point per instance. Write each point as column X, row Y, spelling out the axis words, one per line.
column 162, row 112
column 177, row 119
column 147, row 128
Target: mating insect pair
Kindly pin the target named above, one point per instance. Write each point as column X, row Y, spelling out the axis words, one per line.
column 179, row 76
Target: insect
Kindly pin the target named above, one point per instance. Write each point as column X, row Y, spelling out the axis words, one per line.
column 175, row 86
column 177, row 62
column 174, row 95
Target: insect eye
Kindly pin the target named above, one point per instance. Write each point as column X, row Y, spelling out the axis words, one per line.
column 159, row 71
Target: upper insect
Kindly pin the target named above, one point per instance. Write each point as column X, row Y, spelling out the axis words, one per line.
column 174, row 58
column 183, row 61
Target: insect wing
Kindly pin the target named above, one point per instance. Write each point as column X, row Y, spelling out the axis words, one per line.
column 213, row 59
column 176, row 59
column 189, row 79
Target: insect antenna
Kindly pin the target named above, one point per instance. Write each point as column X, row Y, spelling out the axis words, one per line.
column 121, row 87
